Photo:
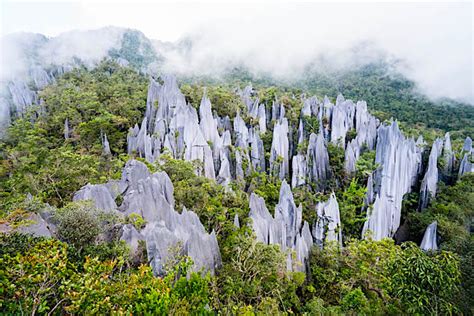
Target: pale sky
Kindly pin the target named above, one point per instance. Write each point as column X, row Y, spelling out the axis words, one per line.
column 434, row 38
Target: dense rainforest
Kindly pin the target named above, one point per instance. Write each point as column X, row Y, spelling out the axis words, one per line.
column 88, row 269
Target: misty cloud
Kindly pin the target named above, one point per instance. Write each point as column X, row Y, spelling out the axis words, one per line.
column 433, row 41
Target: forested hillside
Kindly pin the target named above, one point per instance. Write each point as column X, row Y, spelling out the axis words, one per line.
column 79, row 171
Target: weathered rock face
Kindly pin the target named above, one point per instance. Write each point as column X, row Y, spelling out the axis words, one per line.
column 342, row 120
column 22, row 96
column 279, row 155
column 299, row 171
column 105, row 145
column 285, row 229
column 328, row 224
column 99, row 194
column 429, row 241
column 448, row 155
column 430, row 180
column 257, row 152
column 399, row 162
column 66, row 129
column 351, row 156
column 151, row 196
column 366, row 126
column 318, row 160
column 466, row 164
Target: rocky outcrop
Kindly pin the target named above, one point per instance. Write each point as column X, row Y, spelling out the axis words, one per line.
column 351, row 156
column 279, row 154
column 299, row 171
column 317, row 158
column 285, row 229
column 429, row 241
column 399, row 162
column 151, row 196
column 366, row 126
column 257, row 152
column 448, row 155
column 66, row 129
column 105, row 145
column 466, row 164
column 99, row 194
column 342, row 120
column 327, row 227
column 430, row 180
column 22, row 96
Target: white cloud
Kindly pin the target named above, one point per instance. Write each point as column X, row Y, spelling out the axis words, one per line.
column 434, row 39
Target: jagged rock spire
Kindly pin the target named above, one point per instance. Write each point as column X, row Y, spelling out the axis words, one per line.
column 151, row 196
column 105, row 145
column 448, row 154
column 66, row 129
column 430, row 181
column 285, row 229
column 429, row 241
column 327, row 227
column 279, row 155
column 342, row 120
column 466, row 164
column 318, row 160
column 399, row 162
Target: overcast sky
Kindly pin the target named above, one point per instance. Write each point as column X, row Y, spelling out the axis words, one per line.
column 435, row 39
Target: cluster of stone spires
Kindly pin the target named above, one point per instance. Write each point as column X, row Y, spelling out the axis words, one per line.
column 230, row 149
column 171, row 125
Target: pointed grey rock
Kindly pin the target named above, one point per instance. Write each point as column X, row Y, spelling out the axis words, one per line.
column 132, row 237
column 236, row 221
column 448, row 154
column 257, row 152
column 430, row 181
column 66, row 129
column 351, row 156
column 328, row 223
column 429, row 238
column 299, row 171
column 105, row 145
column 467, row 147
column 285, row 229
column 151, row 196
column 262, row 118
column 279, row 155
column 318, row 160
column 466, row 165
column 99, row 194
column 36, row 226
column 342, row 120
column 399, row 161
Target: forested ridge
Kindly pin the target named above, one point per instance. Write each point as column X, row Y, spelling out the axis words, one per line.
column 78, row 135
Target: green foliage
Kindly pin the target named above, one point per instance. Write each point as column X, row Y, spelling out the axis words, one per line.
column 310, row 124
column 351, row 201
column 136, row 49
column 78, row 224
column 224, row 99
column 32, row 282
column 256, row 273
column 366, row 165
column 266, row 186
column 215, row 206
column 336, row 162
column 453, row 209
column 36, row 158
column 425, row 283
column 136, row 220
column 41, row 279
